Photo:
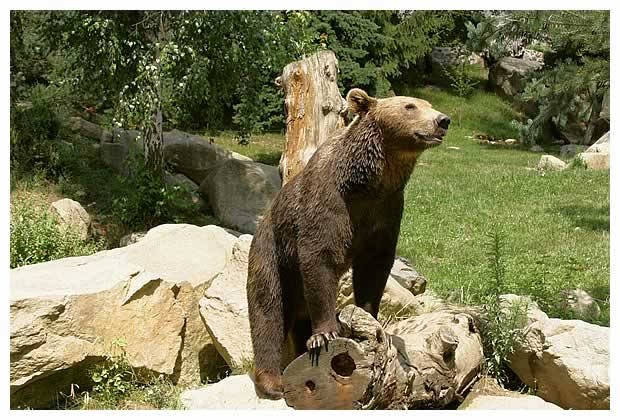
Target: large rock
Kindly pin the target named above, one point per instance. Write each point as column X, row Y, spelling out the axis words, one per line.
column 115, row 155
column 72, row 215
column 189, row 154
column 408, row 277
column 187, row 185
column 601, row 145
column 487, row 394
column 234, row 392
column 397, row 295
column 224, row 308
column 131, row 238
column 509, row 75
column 193, row 155
column 239, row 192
column 551, row 163
column 595, row 160
column 568, row 151
column 512, row 402
column 65, row 314
column 565, row 361
column 581, row 304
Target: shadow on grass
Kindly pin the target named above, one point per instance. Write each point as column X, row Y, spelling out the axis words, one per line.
column 592, row 217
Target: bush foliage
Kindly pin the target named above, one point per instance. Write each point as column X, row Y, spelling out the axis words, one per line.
column 151, row 202
column 36, row 237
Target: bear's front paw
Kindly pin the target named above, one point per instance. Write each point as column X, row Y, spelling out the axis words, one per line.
column 315, row 342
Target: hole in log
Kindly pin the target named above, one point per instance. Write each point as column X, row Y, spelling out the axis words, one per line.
column 343, row 364
column 310, row 385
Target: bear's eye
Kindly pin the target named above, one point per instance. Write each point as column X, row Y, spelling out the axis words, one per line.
column 410, row 106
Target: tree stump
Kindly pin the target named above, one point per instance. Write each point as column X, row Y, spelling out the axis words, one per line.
column 313, row 108
column 427, row 361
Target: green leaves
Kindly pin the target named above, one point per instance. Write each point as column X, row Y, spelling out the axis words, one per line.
column 151, row 202
column 503, row 323
column 575, row 77
column 35, row 237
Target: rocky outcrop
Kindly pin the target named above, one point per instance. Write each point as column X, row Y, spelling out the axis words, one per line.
column 487, row 394
column 399, row 295
column 191, row 155
column 194, row 156
column 234, row 392
column 224, row 308
column 601, row 145
column 445, row 57
column 598, row 161
column 597, row 155
column 568, row 151
column 509, row 75
column 70, row 214
column 66, row 314
column 240, row 191
column 566, row 362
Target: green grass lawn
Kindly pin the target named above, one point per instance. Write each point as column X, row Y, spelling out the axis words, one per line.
column 555, row 226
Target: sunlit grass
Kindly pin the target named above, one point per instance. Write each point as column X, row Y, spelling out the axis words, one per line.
column 265, row 148
column 556, row 225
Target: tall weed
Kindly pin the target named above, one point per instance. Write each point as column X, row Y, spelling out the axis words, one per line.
column 36, row 237
column 502, row 325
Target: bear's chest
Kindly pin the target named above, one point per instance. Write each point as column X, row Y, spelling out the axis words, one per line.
column 373, row 219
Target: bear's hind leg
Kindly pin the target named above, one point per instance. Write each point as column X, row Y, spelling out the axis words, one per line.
column 265, row 312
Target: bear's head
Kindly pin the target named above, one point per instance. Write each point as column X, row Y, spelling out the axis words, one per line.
column 406, row 123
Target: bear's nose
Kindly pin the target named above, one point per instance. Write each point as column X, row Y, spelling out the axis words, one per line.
column 443, row 121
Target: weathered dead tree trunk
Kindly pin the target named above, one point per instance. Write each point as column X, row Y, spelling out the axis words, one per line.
column 313, row 108
column 427, row 361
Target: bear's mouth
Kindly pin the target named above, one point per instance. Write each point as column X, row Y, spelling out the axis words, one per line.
column 434, row 139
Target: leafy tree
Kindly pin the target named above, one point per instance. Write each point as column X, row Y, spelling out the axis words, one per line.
column 192, row 69
column 374, row 48
column 576, row 72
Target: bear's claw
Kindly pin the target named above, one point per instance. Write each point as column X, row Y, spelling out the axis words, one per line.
column 314, row 344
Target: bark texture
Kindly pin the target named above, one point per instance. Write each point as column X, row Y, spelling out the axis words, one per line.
column 427, row 361
column 313, row 108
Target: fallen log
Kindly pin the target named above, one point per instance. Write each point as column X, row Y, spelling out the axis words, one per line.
column 313, row 108
column 427, row 361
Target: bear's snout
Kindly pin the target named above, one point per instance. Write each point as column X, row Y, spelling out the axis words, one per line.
column 443, row 121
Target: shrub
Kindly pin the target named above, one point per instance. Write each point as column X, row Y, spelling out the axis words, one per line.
column 36, row 237
column 117, row 385
column 114, row 377
column 35, row 129
column 149, row 201
column 460, row 79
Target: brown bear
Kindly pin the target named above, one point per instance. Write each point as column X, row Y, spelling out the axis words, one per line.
column 342, row 210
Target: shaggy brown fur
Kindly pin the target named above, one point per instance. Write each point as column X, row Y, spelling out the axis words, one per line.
column 343, row 210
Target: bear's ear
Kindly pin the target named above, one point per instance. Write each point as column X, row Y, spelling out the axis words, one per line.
column 359, row 102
